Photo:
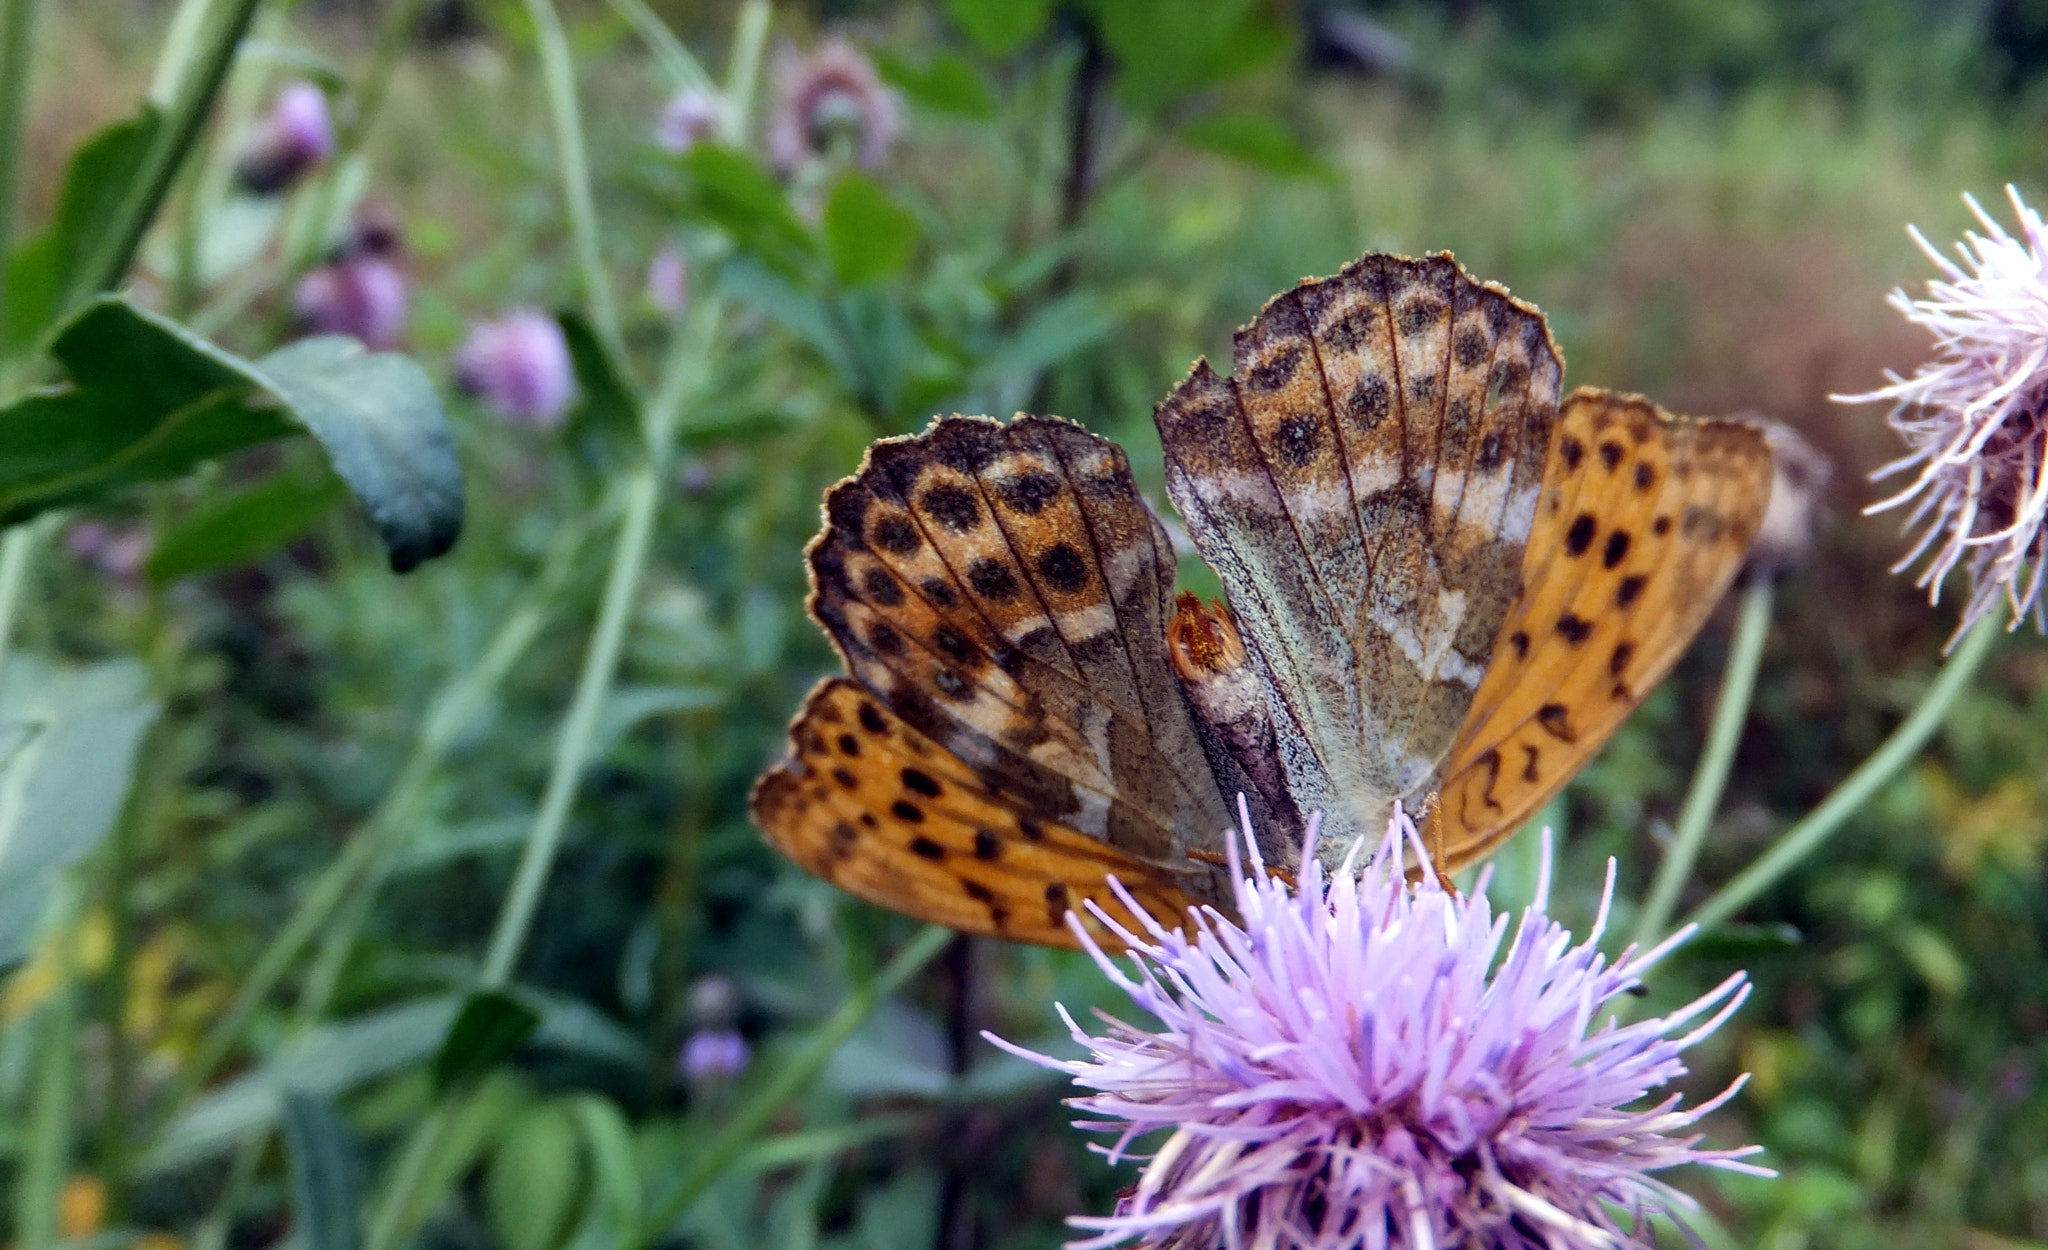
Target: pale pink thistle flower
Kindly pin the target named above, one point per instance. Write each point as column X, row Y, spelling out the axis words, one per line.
column 117, row 553
column 295, row 137
column 829, row 98
column 689, row 118
column 361, row 294
column 668, row 281
column 1355, row 1063
column 1973, row 418
column 714, row 1056
column 520, row 366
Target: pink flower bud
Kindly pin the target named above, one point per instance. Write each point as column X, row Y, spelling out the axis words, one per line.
column 294, row 138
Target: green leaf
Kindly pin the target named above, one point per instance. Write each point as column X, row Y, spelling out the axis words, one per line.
column 326, row 1173
column 869, row 235
column 1257, row 140
column 1048, row 336
column 606, row 406
column 732, row 192
column 534, row 1180
column 379, row 419
column 489, row 1029
column 43, row 269
column 327, row 1059
column 1000, row 26
column 64, row 784
column 242, row 526
column 149, row 401
column 613, row 1157
column 947, row 83
column 1168, row 49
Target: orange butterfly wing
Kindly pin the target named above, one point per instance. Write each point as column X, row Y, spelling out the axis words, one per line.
column 1643, row 521
column 885, row 813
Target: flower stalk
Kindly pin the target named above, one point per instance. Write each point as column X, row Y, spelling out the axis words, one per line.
column 1799, row 842
column 1710, row 778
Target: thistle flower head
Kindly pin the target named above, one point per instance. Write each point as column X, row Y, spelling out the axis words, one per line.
column 713, row 1055
column 668, row 280
column 1975, row 417
column 296, row 136
column 361, row 294
column 830, row 97
column 1357, row 1062
column 689, row 118
column 520, row 366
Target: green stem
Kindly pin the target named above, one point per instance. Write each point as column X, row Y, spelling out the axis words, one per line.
column 17, row 549
column 683, row 69
column 391, row 1217
column 579, row 728
column 197, row 85
column 1806, row 837
column 558, row 72
column 457, row 706
column 46, row 1159
column 731, row 1141
column 1710, row 778
column 324, row 196
column 750, row 38
column 17, row 39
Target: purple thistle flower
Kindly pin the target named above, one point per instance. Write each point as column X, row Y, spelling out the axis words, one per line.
column 294, row 138
column 360, row 293
column 668, row 280
column 689, row 118
column 1973, row 418
column 714, row 1055
column 1356, row 1063
column 520, row 366
column 831, row 96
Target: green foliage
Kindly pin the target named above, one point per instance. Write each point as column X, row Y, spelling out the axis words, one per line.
column 867, row 234
column 43, row 270
column 149, row 401
column 326, row 1173
column 489, row 1029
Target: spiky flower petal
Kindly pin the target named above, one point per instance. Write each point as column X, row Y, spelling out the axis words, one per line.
column 830, row 98
column 1356, row 1062
column 1973, row 417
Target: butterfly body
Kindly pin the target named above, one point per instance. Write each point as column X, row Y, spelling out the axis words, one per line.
column 1439, row 576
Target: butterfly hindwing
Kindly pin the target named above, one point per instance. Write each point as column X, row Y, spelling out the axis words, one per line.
column 1644, row 521
column 882, row 811
column 1363, row 485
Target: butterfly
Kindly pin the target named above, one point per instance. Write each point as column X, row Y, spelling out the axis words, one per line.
column 1446, row 587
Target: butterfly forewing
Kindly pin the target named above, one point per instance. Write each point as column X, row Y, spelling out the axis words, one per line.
column 1363, row 485
column 1644, row 520
column 1005, row 590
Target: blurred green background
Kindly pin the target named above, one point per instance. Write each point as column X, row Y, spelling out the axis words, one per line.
column 1708, row 198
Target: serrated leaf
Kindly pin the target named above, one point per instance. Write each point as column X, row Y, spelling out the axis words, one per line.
column 326, row 1173
column 489, row 1029
column 379, row 419
column 867, row 233
column 148, row 400
column 732, row 192
column 241, row 526
column 1000, row 26
column 1256, row 140
column 946, row 83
